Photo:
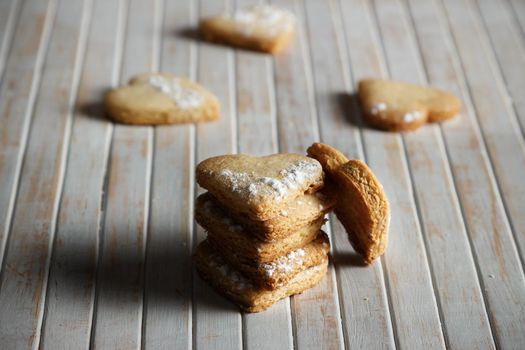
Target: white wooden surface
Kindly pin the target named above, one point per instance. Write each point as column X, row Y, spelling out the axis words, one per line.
column 96, row 227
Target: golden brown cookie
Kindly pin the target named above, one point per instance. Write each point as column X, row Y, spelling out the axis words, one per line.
column 264, row 28
column 362, row 205
column 398, row 106
column 302, row 211
column 161, row 98
column 278, row 272
column 259, row 187
column 250, row 298
column 233, row 238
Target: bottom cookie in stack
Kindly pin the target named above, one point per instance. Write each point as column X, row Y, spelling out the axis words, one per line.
column 250, row 296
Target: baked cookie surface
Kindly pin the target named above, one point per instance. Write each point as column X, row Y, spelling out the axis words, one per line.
column 161, row 98
column 362, row 205
column 278, row 272
column 264, row 28
column 302, row 211
column 399, row 106
column 235, row 239
column 259, row 187
column 250, row 298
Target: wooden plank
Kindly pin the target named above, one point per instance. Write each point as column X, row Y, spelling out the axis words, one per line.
column 413, row 304
column 17, row 94
column 499, row 270
column 490, row 99
column 315, row 313
column 509, row 50
column 167, row 319
column 271, row 329
column 450, row 256
column 71, row 291
column 364, row 302
column 9, row 11
column 216, row 322
column 518, row 7
column 119, row 304
column 24, row 278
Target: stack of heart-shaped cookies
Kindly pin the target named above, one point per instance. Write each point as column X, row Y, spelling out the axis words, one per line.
column 263, row 216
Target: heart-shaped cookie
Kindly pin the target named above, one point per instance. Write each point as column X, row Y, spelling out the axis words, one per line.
column 259, row 187
column 398, row 106
column 161, row 98
column 361, row 203
column 264, row 28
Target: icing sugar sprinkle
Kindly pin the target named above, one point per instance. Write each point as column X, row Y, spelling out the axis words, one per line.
column 284, row 263
column 239, row 282
column 184, row 97
column 292, row 178
column 411, row 116
column 272, row 18
column 378, row 107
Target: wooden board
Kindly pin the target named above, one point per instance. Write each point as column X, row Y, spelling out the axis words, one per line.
column 96, row 218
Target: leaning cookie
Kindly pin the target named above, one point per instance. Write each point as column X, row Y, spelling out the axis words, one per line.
column 161, row 98
column 361, row 203
column 250, row 298
column 398, row 106
column 264, row 28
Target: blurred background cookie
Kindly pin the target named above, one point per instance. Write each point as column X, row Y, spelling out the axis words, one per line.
column 161, row 98
column 264, row 28
column 399, row 106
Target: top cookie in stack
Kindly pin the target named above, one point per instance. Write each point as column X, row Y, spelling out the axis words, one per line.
column 263, row 217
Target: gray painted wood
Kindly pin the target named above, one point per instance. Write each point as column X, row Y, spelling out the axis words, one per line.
column 414, row 308
column 494, row 252
column 509, row 50
column 216, row 322
column 167, row 318
column 17, row 95
column 362, row 291
column 119, row 303
column 315, row 313
column 24, row 278
column 9, row 11
column 454, row 272
column 71, row 290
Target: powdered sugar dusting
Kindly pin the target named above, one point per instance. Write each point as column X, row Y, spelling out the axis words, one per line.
column 284, row 264
column 239, row 282
column 378, row 107
column 411, row 116
column 184, row 97
column 291, row 178
column 273, row 19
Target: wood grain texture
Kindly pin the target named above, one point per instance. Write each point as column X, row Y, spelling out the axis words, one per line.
column 257, row 135
column 216, row 321
column 509, row 50
column 408, row 280
column 362, row 290
column 167, row 318
column 17, row 95
column 499, row 269
column 486, row 88
column 24, row 278
column 315, row 313
column 119, row 304
column 71, row 290
column 9, row 11
column 451, row 260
